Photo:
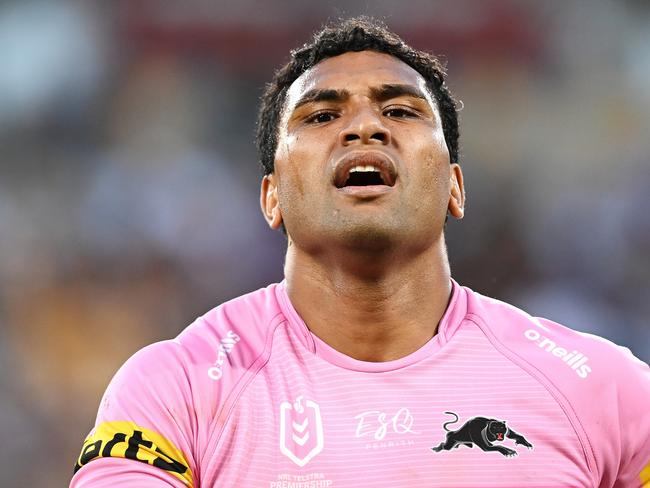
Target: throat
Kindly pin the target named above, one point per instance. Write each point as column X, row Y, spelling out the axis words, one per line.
column 386, row 325
column 382, row 318
column 374, row 342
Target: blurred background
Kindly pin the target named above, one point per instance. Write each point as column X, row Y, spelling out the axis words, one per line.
column 129, row 179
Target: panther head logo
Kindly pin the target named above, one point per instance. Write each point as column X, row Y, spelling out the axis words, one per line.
column 482, row 432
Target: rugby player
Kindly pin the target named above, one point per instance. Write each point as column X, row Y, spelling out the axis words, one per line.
column 369, row 365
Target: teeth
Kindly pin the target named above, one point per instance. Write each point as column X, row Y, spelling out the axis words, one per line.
column 364, row 169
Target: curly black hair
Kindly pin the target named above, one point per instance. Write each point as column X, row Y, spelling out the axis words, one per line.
column 354, row 34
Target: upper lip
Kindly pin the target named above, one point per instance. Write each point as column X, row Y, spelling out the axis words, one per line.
column 377, row 159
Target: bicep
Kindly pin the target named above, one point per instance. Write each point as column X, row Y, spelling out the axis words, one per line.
column 126, row 473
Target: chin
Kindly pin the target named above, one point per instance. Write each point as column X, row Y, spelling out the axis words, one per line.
column 370, row 238
column 361, row 235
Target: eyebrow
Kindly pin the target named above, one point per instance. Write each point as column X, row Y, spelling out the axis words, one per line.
column 323, row 95
column 389, row 91
column 381, row 93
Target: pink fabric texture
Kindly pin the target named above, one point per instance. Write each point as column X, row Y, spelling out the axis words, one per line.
column 246, row 396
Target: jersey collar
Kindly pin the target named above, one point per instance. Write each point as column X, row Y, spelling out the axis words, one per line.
column 449, row 324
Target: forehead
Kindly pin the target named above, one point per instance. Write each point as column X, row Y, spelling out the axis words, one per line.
column 356, row 72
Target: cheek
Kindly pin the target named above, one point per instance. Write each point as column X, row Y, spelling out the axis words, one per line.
column 288, row 164
column 435, row 185
column 303, row 159
column 425, row 144
column 439, row 162
column 436, row 170
column 299, row 160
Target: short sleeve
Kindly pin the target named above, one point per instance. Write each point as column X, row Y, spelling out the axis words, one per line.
column 143, row 433
column 634, row 422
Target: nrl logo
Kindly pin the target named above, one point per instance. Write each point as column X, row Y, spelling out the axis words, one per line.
column 301, row 430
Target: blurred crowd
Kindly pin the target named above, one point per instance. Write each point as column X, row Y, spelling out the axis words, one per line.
column 129, row 179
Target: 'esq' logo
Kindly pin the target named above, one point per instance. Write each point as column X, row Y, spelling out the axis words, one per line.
column 576, row 360
column 377, row 424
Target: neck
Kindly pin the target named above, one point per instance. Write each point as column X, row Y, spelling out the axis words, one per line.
column 372, row 307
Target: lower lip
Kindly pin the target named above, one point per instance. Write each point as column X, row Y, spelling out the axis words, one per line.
column 365, row 191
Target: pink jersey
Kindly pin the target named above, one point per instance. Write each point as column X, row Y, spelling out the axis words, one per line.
column 246, row 396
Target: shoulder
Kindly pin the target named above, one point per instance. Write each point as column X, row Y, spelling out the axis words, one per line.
column 603, row 388
column 553, row 347
column 234, row 334
column 206, row 358
column 167, row 393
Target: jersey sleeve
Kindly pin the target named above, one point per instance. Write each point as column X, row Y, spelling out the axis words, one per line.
column 610, row 396
column 632, row 422
column 164, row 408
column 602, row 388
column 143, row 433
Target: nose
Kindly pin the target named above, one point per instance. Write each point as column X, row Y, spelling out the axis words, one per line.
column 365, row 127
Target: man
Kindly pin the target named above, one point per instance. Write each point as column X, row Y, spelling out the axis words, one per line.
column 368, row 365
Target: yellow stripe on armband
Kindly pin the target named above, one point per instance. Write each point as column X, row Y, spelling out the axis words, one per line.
column 122, row 439
column 644, row 476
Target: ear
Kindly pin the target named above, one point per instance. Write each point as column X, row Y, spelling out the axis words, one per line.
column 456, row 207
column 269, row 201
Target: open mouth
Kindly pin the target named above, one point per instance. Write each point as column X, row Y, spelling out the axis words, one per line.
column 365, row 168
column 364, row 176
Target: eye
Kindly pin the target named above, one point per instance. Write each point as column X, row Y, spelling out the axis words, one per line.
column 400, row 113
column 320, row 117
